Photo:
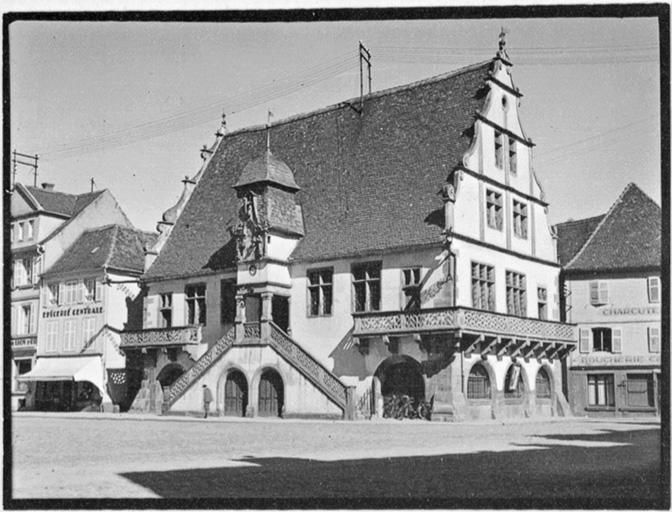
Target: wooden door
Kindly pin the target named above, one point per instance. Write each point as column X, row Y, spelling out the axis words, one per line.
column 270, row 394
column 235, row 394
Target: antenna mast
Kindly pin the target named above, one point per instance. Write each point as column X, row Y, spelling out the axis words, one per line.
column 364, row 56
column 19, row 159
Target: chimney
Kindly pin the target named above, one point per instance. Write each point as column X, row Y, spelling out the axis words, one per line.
column 48, row 186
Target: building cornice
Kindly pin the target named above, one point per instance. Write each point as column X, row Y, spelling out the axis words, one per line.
column 503, row 186
column 490, row 122
column 494, row 247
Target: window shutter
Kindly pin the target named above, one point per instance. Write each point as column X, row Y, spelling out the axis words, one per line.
column 653, row 285
column 13, row 330
column 584, row 341
column 80, row 291
column 604, row 292
column 616, row 347
column 99, row 290
column 594, row 293
column 654, row 339
column 36, row 268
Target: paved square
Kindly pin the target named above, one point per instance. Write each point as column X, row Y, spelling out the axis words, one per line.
column 123, row 456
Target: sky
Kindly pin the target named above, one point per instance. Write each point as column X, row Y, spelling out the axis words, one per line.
column 131, row 104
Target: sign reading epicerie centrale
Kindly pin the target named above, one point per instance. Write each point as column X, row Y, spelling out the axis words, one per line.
column 87, row 310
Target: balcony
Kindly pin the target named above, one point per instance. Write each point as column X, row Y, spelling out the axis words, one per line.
column 169, row 336
column 461, row 321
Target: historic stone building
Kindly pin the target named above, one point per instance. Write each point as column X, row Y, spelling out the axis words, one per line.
column 90, row 294
column 611, row 274
column 369, row 250
column 44, row 223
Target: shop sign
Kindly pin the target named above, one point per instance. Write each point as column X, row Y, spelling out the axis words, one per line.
column 616, row 360
column 627, row 310
column 88, row 310
column 27, row 341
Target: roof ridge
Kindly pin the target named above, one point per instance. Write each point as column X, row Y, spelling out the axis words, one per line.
column 619, row 199
column 372, row 95
column 572, row 221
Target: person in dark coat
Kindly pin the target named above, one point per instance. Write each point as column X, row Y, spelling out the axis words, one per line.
column 207, row 398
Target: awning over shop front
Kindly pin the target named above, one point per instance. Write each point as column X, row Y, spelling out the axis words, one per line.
column 85, row 368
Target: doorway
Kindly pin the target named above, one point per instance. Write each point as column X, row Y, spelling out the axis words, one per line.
column 235, row 394
column 280, row 312
column 271, row 394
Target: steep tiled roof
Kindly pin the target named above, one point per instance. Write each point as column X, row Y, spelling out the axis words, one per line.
column 113, row 246
column 266, row 169
column 62, row 203
column 368, row 182
column 572, row 235
column 628, row 237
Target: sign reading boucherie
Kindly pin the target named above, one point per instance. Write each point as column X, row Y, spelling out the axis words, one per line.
column 72, row 312
column 615, row 360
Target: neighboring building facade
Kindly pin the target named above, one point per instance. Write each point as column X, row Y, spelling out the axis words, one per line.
column 89, row 295
column 44, row 223
column 338, row 260
column 613, row 292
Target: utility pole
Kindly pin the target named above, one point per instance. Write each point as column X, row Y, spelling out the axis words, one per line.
column 364, row 56
column 20, row 159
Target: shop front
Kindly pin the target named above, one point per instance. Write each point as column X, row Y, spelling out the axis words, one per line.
column 615, row 385
column 67, row 383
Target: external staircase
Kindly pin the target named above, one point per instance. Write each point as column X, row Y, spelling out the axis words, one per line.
column 286, row 347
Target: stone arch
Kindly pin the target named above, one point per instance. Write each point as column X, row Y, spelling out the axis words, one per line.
column 401, row 375
column 270, row 396
column 233, row 391
column 551, row 381
column 485, row 367
column 169, row 373
column 523, row 387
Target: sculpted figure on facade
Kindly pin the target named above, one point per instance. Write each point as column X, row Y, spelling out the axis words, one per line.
column 250, row 231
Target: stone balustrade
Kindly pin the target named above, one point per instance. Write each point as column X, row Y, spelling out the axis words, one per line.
column 187, row 335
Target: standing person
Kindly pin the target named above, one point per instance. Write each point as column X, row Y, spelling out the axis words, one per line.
column 207, row 398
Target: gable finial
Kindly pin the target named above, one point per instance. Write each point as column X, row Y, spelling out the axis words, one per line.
column 222, row 127
column 502, row 39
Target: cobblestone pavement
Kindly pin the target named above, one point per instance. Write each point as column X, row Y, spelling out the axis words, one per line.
column 123, row 456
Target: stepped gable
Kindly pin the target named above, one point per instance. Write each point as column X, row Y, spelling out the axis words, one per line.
column 628, row 237
column 62, row 203
column 368, row 183
column 114, row 246
column 572, row 234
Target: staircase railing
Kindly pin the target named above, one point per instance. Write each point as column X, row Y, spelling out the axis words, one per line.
column 313, row 370
column 187, row 379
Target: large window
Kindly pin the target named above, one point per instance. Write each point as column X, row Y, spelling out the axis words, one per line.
column 601, row 390
column 320, row 291
column 640, row 390
column 542, row 302
column 602, row 339
column 88, row 328
column 53, row 294
column 513, row 157
column 653, row 286
column 519, row 219
column 52, row 336
column 195, row 304
column 228, row 301
column 516, row 297
column 93, row 290
column 30, row 225
column 478, row 384
column 27, row 320
column 23, row 272
column 543, row 384
column 499, row 149
column 494, row 209
column 483, row 286
column 410, row 288
column 69, row 335
column 366, row 285
column 70, row 292
column 513, row 383
column 166, row 310
column 599, row 293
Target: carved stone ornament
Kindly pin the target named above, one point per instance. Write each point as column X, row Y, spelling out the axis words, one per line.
column 250, row 233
